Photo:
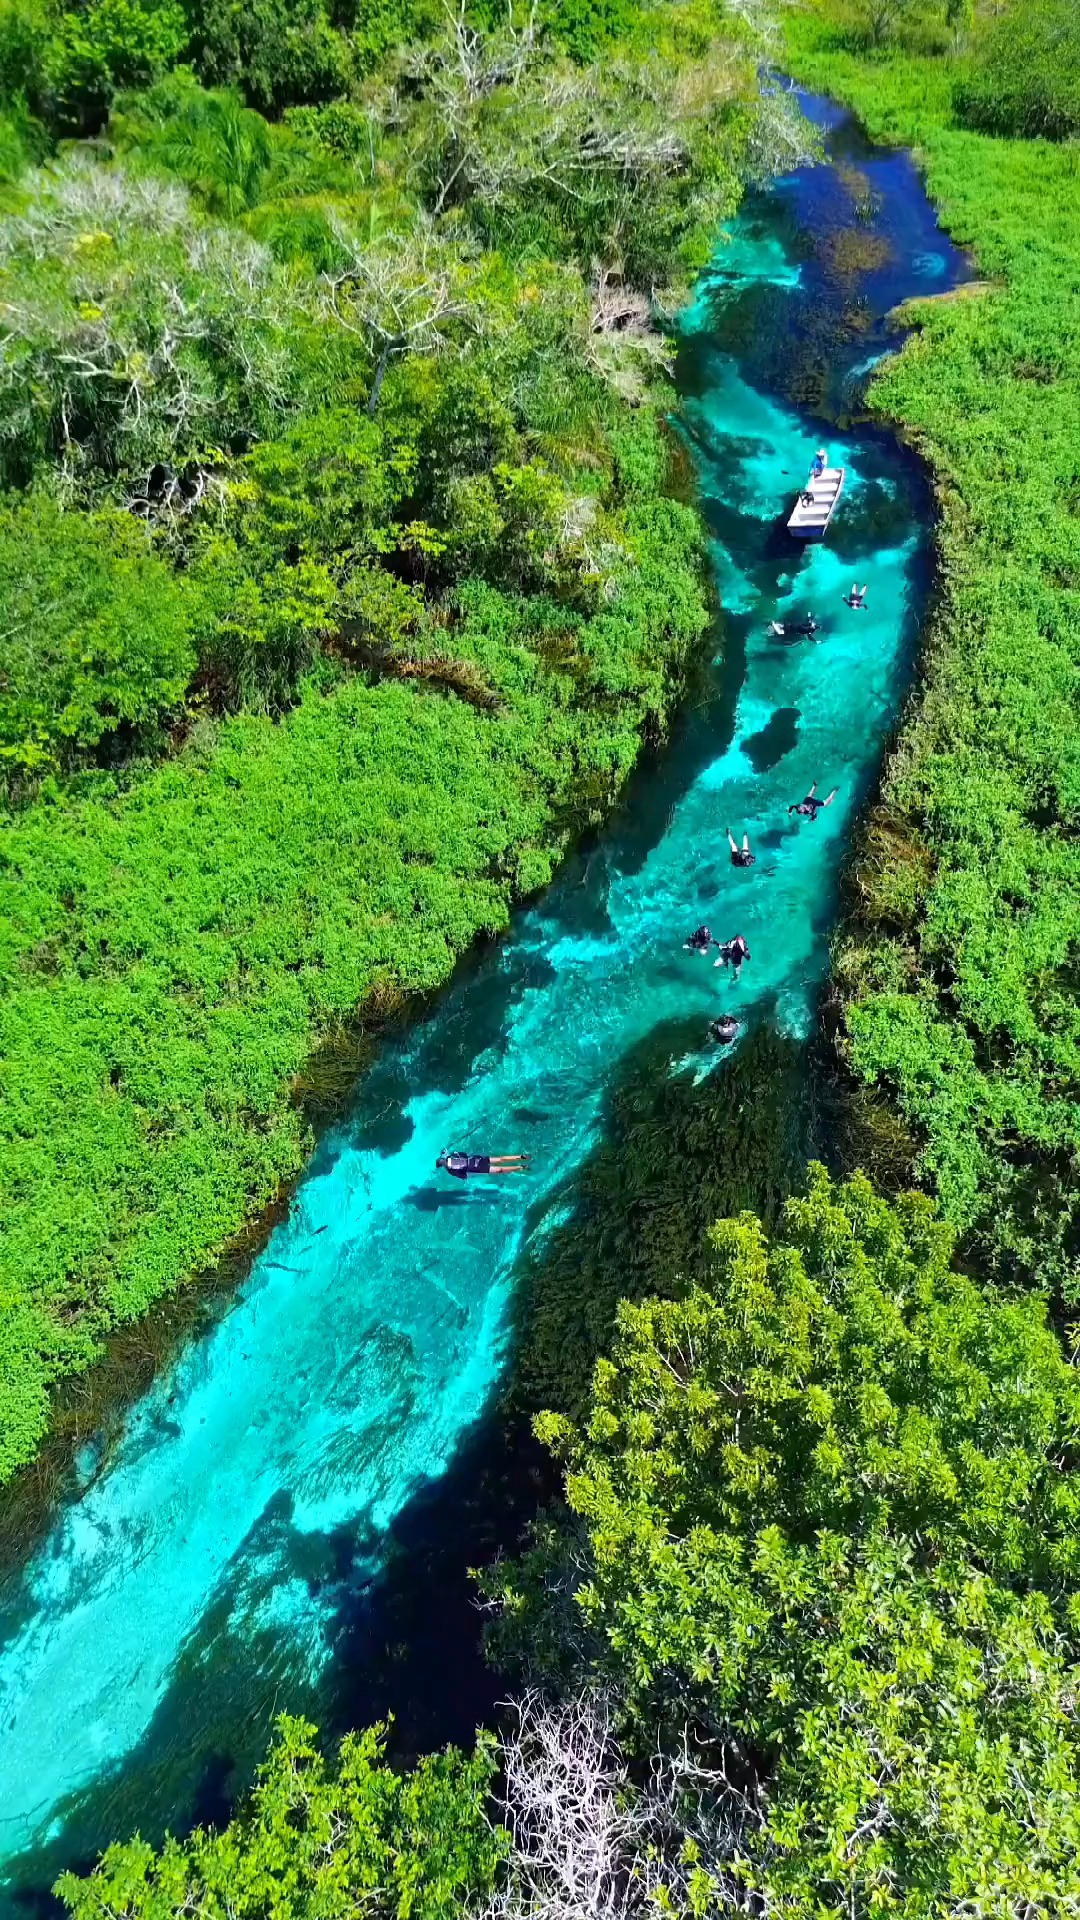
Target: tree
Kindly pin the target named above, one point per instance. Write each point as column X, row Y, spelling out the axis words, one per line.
column 98, row 49
column 214, row 143
column 99, row 636
column 133, row 332
column 823, row 1524
column 883, row 17
column 360, row 1838
column 401, row 295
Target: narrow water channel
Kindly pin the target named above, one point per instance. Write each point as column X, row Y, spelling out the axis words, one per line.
column 209, row 1570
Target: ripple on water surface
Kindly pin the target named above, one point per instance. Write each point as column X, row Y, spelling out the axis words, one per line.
column 201, row 1578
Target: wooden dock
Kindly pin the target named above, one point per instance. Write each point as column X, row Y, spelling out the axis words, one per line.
column 811, row 518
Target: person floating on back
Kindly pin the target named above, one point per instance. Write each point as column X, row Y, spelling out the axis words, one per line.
column 700, row 941
column 732, row 953
column 740, row 856
column 725, row 1030
column 811, row 806
column 461, row 1165
column 856, row 599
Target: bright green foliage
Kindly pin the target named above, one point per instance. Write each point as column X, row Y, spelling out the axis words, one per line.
column 98, row 635
column 317, row 1843
column 216, row 145
column 97, row 49
column 1025, row 79
column 959, row 970
column 825, row 1511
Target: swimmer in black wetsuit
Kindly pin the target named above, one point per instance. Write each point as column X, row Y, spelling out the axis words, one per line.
column 461, row 1165
column 700, row 941
column 725, row 1030
column 811, row 806
column 732, row 953
column 740, row 856
column 856, row 599
column 794, row 629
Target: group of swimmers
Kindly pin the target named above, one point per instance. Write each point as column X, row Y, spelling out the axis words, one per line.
column 808, row 628
column 730, row 953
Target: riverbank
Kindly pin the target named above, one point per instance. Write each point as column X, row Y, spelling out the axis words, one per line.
column 956, row 969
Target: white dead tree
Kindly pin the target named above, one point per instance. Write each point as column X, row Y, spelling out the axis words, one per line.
column 402, row 295
column 587, row 1844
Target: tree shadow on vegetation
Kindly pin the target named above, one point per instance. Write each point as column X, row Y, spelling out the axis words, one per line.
column 674, row 1157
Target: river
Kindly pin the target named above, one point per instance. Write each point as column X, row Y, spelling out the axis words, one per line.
column 219, row 1562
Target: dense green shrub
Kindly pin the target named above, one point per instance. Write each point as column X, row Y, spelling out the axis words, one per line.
column 277, row 53
column 100, row 636
column 824, row 1529
column 94, row 51
column 317, row 1842
column 1024, row 81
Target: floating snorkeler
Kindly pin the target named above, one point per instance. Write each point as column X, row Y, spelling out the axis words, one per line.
column 461, row 1165
column 700, row 941
column 725, row 1029
column 794, row 629
column 811, row 806
column 732, row 953
column 856, row 599
column 740, row 856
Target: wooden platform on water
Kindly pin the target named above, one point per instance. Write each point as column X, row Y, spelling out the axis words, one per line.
column 809, row 521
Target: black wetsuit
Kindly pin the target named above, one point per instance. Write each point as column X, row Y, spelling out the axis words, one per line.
column 462, row 1164
column 700, row 941
column 810, row 807
column 734, row 952
column 742, row 857
column 725, row 1030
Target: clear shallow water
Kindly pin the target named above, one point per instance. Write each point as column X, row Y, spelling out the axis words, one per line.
column 210, row 1572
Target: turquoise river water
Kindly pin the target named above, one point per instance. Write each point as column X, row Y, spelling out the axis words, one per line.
column 209, row 1568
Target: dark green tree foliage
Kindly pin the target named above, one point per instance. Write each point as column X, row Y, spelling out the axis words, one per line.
column 318, row 1842
column 1024, row 81
column 824, row 1514
column 98, row 639
column 278, row 53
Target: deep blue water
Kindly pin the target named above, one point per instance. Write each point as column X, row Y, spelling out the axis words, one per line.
column 312, row 1452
